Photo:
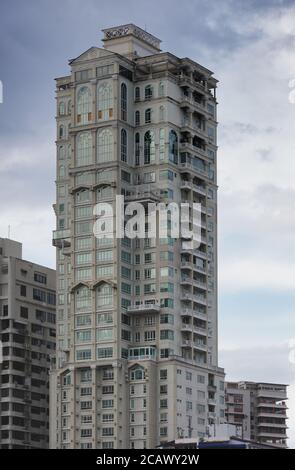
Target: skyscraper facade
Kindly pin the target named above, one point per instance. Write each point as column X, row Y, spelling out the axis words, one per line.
column 27, row 341
column 136, row 361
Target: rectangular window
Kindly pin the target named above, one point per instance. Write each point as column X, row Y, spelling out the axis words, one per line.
column 104, row 318
column 83, row 75
column 41, row 278
column 103, row 353
column 83, row 258
column 106, row 255
column 83, row 354
column 23, row 291
column 83, row 320
column 104, row 334
column 83, row 336
column 150, row 335
column 104, row 271
column 83, row 243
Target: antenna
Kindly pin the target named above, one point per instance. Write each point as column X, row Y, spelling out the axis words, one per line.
column 8, row 231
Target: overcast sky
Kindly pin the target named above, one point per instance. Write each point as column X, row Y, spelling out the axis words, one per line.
column 250, row 46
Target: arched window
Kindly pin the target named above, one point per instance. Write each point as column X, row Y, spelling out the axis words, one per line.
column 137, row 118
column 137, row 374
column 61, row 171
column 147, row 116
column 137, row 148
column 123, row 145
column 83, row 298
column 84, row 105
column 62, row 108
column 105, row 146
column 149, row 147
column 137, row 93
column 124, row 102
column 173, row 147
column 61, row 132
column 104, row 296
column 161, row 113
column 148, row 92
column 61, row 152
column 84, row 149
column 161, row 89
column 69, row 107
column 105, row 101
column 162, row 144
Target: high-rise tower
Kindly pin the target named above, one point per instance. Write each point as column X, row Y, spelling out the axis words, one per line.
column 27, row 341
column 136, row 359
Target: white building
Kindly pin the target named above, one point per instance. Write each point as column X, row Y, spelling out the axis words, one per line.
column 137, row 360
column 260, row 410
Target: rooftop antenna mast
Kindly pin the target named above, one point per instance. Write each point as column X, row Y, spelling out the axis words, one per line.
column 8, row 231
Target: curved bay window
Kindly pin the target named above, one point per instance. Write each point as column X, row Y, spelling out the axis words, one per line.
column 84, row 149
column 84, row 114
column 105, row 101
column 173, row 147
column 104, row 146
column 123, row 145
column 124, row 102
column 149, row 147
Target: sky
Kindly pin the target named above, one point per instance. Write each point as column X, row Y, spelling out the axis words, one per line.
column 250, row 46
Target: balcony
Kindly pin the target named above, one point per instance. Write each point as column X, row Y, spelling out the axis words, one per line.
column 276, row 406
column 278, row 395
column 188, row 167
column 200, row 345
column 186, row 327
column 61, row 238
column 272, row 414
column 271, row 434
column 272, row 425
column 144, row 195
column 143, row 308
column 187, row 146
column 190, row 102
column 194, row 187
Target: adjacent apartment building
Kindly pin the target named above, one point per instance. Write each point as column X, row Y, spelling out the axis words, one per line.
column 136, row 362
column 27, row 334
column 259, row 410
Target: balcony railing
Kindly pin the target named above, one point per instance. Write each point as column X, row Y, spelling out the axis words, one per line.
column 144, row 308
